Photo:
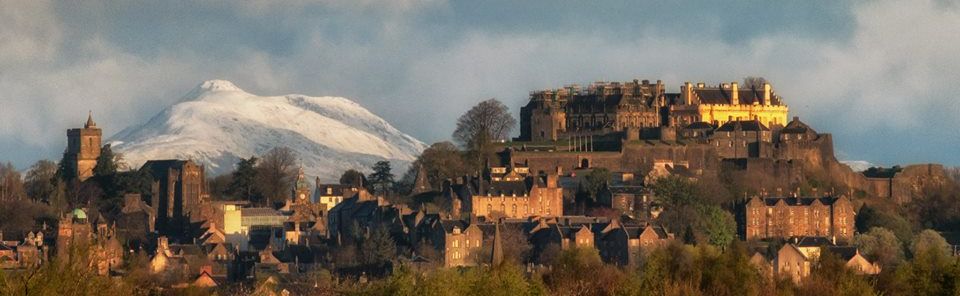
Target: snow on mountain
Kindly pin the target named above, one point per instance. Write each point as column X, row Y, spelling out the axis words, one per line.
column 217, row 124
column 858, row 165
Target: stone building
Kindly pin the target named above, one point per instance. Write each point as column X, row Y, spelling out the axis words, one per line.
column 782, row 217
column 600, row 108
column 727, row 102
column 76, row 229
column 178, row 189
column 623, row 244
column 514, row 193
column 742, row 139
column 795, row 260
column 83, row 149
column 333, row 194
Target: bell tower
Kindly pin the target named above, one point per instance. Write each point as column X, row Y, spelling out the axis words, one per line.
column 83, row 149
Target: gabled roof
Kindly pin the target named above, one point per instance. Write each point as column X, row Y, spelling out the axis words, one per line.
column 746, row 96
column 811, row 241
column 797, row 127
column 844, row 252
column 742, row 125
column 799, row 201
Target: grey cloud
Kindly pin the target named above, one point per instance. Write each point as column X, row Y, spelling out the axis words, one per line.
column 866, row 71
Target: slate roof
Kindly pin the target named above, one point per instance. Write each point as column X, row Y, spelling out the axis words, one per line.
column 798, row 201
column 507, row 188
column 796, row 127
column 742, row 125
column 699, row 125
column 844, row 252
column 811, row 241
column 747, row 96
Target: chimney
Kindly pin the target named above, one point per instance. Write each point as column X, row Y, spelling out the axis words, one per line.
column 766, row 94
column 687, row 93
column 734, row 94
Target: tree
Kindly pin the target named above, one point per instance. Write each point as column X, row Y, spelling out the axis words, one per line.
column 486, row 122
column 243, row 184
column 596, row 181
column 440, row 161
column 378, row 248
column 869, row 217
column 929, row 241
column 107, row 162
column 881, row 246
column 276, row 173
column 719, row 225
column 755, row 82
column 41, row 180
column 678, row 195
column 381, row 180
column 353, row 178
column 11, row 184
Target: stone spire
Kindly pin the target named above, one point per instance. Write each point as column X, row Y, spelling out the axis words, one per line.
column 421, row 184
column 90, row 123
column 497, row 257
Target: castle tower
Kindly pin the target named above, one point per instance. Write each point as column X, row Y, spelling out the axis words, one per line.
column 83, row 149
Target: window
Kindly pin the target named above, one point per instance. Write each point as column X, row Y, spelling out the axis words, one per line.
column 489, row 208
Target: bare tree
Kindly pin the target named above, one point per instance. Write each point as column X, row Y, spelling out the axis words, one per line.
column 277, row 169
column 755, row 82
column 11, row 184
column 41, row 180
column 486, row 122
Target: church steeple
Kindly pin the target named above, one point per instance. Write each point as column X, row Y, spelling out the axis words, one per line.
column 497, row 256
column 90, row 123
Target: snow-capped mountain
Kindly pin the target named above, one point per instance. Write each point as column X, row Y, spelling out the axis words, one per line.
column 217, row 124
column 858, row 165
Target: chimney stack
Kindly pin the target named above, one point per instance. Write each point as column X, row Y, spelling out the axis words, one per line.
column 734, row 94
column 766, row 94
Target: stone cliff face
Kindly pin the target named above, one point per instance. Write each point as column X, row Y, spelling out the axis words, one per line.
column 792, row 165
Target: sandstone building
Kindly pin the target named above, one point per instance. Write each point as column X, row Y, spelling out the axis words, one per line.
column 727, row 102
column 83, row 149
column 178, row 189
column 601, row 107
column 783, row 217
column 514, row 193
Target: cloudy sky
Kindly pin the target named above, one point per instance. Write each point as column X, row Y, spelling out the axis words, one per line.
column 882, row 76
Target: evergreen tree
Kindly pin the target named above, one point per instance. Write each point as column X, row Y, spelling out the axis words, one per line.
column 381, row 180
column 106, row 163
column 243, row 184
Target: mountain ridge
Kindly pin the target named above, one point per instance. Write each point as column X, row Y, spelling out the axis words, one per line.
column 218, row 123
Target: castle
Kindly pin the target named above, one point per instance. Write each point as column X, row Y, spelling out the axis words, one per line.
column 602, row 108
column 628, row 126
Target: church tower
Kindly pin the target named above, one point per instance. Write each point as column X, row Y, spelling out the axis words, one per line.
column 83, row 149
